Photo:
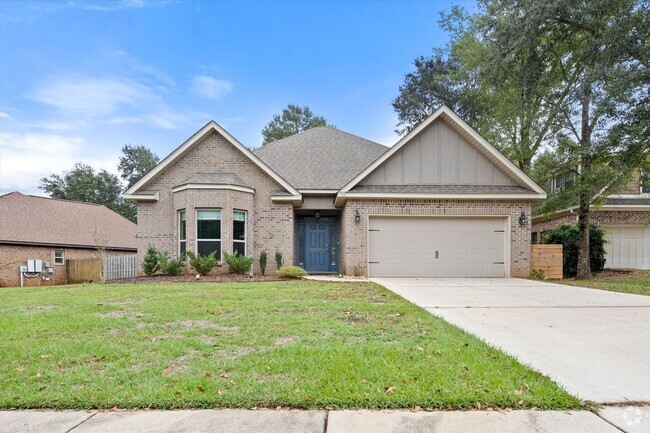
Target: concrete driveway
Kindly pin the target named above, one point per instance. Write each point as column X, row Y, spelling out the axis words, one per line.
column 594, row 343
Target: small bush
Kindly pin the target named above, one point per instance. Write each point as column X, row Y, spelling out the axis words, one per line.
column 172, row 267
column 357, row 270
column 290, row 272
column 568, row 236
column 202, row 264
column 278, row 259
column 263, row 262
column 537, row 274
column 238, row 263
column 151, row 262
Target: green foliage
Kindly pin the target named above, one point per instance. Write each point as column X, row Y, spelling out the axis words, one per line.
column 151, row 262
column 135, row 162
column 537, row 274
column 357, row 270
column 263, row 257
column 202, row 264
column 568, row 236
column 292, row 120
column 290, row 272
column 171, row 267
column 278, row 260
column 84, row 184
column 238, row 264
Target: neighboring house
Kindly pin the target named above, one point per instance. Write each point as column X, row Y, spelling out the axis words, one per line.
column 53, row 231
column 440, row 202
column 625, row 217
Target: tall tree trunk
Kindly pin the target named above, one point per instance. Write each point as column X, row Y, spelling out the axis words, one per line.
column 584, row 198
column 584, row 254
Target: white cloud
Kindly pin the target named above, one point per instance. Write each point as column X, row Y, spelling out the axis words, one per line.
column 208, row 87
column 6, row 116
column 27, row 157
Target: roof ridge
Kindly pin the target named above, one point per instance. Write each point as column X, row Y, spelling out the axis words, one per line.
column 263, row 146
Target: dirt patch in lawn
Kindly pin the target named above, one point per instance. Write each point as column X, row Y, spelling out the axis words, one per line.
column 202, row 324
column 235, row 353
column 39, row 308
column 621, row 274
column 225, row 278
column 118, row 314
column 283, row 341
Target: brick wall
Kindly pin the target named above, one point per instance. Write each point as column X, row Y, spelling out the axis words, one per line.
column 13, row 256
column 269, row 225
column 600, row 218
column 546, row 223
column 354, row 237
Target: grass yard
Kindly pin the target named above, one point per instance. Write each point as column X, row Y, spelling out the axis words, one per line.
column 292, row 344
column 637, row 282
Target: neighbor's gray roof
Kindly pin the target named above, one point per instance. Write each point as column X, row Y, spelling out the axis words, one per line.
column 641, row 200
column 320, row 158
column 441, row 189
column 214, row 179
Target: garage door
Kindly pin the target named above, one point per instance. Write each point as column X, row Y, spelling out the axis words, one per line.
column 627, row 247
column 437, row 247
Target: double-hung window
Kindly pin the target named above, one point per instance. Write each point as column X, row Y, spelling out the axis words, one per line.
column 182, row 232
column 59, row 258
column 239, row 232
column 208, row 232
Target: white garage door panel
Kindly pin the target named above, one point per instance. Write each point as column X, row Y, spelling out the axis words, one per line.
column 465, row 246
column 628, row 247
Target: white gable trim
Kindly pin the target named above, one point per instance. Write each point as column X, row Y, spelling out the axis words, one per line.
column 210, row 126
column 513, row 170
column 210, row 186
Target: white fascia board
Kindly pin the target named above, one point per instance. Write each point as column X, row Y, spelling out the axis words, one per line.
column 516, row 171
column 318, row 191
column 208, row 186
column 210, row 126
column 142, row 197
column 286, row 198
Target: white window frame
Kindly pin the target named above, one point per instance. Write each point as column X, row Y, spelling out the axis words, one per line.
column 182, row 211
column 196, row 230
column 245, row 230
column 62, row 257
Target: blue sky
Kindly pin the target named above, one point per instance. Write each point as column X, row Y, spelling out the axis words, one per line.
column 79, row 79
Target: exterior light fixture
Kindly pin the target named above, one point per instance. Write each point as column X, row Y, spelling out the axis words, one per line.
column 317, row 214
column 357, row 217
column 523, row 219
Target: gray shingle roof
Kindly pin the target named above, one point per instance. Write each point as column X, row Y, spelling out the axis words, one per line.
column 215, row 179
column 641, row 200
column 320, row 158
column 442, row 189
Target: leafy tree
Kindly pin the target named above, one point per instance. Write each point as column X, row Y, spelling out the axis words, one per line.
column 135, row 162
column 568, row 236
column 84, row 184
column 292, row 120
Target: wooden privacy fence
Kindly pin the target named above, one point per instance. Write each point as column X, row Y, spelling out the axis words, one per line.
column 84, row 270
column 547, row 258
column 116, row 267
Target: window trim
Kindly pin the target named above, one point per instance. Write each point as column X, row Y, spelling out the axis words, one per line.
column 181, row 211
column 245, row 230
column 62, row 257
column 196, row 230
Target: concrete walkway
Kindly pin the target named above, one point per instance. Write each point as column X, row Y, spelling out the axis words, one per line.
column 256, row 421
column 593, row 342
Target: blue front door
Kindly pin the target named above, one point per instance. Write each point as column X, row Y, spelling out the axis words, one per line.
column 317, row 257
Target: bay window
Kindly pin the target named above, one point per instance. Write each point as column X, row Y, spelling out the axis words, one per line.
column 208, row 232
column 239, row 232
column 182, row 232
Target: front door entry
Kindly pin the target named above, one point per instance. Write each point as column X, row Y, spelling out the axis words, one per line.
column 319, row 249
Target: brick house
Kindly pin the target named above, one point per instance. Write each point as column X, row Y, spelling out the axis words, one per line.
column 625, row 217
column 441, row 202
column 53, row 231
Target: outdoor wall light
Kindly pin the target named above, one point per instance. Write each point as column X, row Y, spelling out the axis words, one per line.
column 317, row 215
column 357, row 217
column 523, row 219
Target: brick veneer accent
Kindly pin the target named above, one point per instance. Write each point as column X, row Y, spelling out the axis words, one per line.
column 13, row 256
column 354, row 237
column 598, row 217
column 269, row 225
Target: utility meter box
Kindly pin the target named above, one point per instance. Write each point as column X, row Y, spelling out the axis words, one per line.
column 34, row 265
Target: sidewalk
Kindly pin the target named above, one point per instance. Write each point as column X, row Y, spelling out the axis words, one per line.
column 629, row 420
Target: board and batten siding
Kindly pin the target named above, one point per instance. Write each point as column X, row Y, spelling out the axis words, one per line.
column 439, row 155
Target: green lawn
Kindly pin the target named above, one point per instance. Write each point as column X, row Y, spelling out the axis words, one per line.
column 637, row 282
column 294, row 344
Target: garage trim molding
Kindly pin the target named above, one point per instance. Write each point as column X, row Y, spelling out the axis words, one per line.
column 506, row 238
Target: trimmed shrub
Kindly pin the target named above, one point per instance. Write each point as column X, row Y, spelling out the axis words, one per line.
column 290, row 272
column 357, row 270
column 263, row 262
column 237, row 263
column 202, row 264
column 568, row 236
column 172, row 267
column 151, row 262
column 537, row 274
column 278, row 259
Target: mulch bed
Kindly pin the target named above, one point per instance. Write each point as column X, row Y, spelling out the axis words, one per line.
column 225, row 278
